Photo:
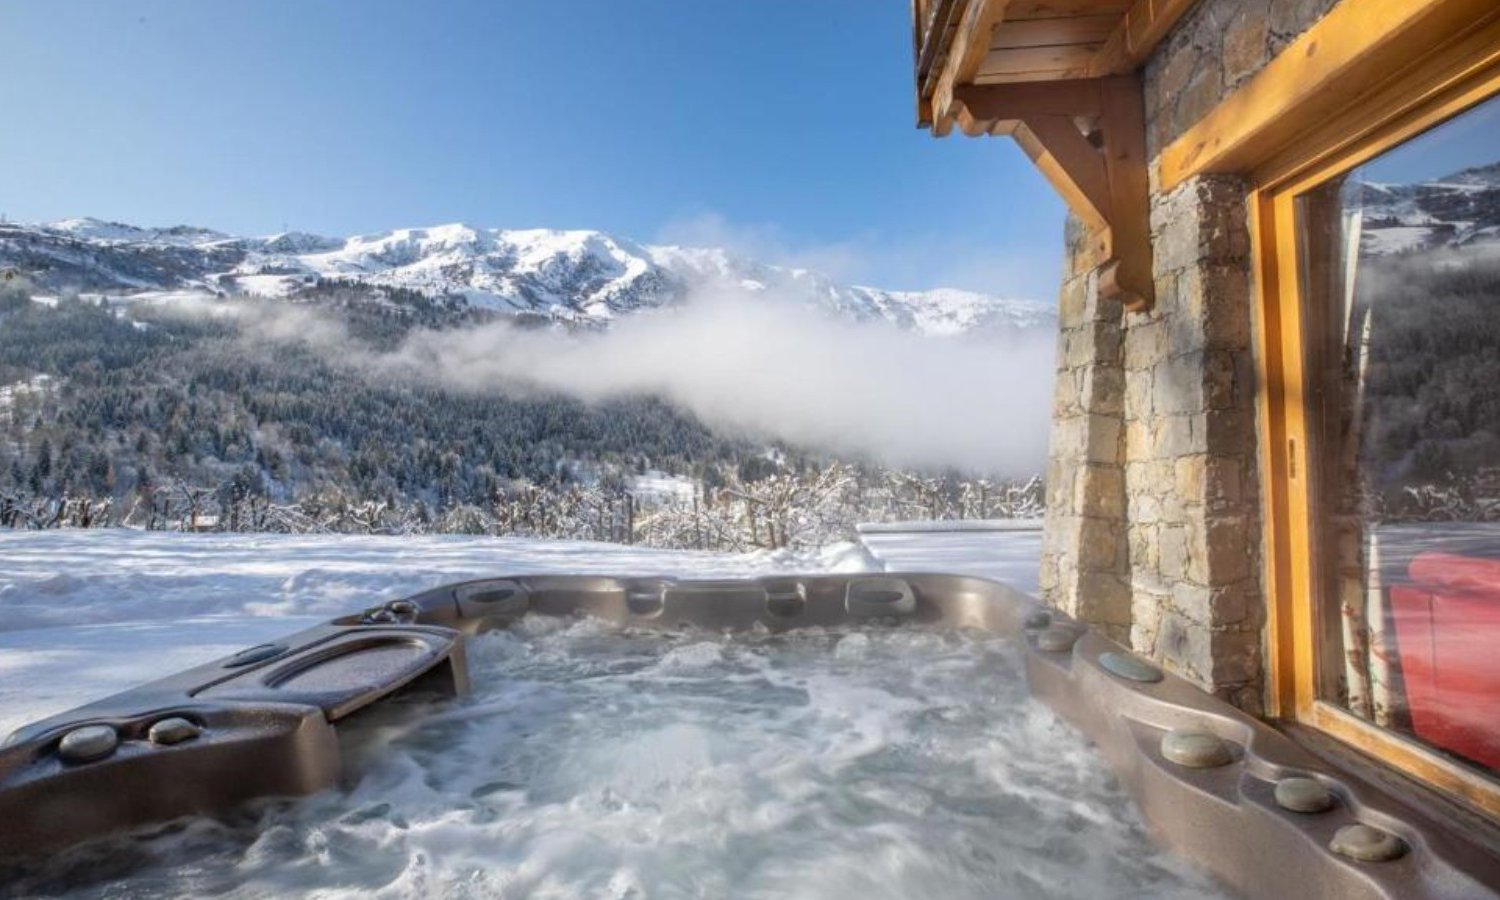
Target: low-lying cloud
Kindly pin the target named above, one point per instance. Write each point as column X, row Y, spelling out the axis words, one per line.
column 748, row 365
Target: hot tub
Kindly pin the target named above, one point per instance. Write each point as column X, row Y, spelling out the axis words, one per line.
column 790, row 736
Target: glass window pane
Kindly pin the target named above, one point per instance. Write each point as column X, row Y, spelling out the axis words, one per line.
column 1401, row 275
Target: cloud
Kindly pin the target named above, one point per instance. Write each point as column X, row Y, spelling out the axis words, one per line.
column 839, row 260
column 918, row 261
column 747, row 365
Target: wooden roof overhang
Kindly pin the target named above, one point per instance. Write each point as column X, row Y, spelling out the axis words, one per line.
column 1059, row 76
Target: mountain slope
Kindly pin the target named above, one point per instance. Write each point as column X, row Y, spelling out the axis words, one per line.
column 586, row 278
column 1458, row 210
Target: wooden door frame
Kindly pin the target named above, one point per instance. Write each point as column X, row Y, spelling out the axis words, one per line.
column 1443, row 83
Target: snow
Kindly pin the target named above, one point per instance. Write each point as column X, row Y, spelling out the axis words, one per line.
column 84, row 614
column 1009, row 551
column 1396, row 239
column 88, row 228
column 657, row 487
column 36, row 384
column 267, row 285
column 577, row 276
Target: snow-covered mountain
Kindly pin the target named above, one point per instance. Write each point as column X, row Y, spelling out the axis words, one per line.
column 574, row 277
column 1458, row 210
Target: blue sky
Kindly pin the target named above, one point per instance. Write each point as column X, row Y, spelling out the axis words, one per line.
column 783, row 128
column 1467, row 140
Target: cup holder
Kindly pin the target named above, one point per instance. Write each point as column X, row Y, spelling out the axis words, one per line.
column 786, row 599
column 876, row 597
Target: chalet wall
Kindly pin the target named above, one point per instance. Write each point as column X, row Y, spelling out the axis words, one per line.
column 1153, row 527
column 1085, row 571
column 1216, row 47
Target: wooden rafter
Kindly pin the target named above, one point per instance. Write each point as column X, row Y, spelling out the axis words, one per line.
column 1088, row 138
column 969, row 44
column 1141, row 28
column 961, row 42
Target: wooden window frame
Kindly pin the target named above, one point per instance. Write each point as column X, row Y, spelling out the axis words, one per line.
column 1447, row 81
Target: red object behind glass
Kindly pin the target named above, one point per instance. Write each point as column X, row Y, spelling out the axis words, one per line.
column 1448, row 632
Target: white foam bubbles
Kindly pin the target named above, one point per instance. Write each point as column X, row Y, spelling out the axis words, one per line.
column 593, row 761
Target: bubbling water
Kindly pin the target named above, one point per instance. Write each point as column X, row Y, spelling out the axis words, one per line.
column 597, row 761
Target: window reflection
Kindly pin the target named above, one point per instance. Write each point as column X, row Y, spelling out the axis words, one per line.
column 1401, row 272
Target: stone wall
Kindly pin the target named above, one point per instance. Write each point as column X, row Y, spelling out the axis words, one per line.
column 1085, row 571
column 1190, row 458
column 1153, row 522
column 1216, row 47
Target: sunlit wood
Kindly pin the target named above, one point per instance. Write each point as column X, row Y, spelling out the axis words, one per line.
column 1442, row 83
column 971, row 41
column 1137, row 33
column 1359, row 47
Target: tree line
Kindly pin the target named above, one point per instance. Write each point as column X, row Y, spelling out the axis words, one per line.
column 161, row 422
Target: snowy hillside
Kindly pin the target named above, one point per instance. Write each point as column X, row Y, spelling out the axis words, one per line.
column 575, row 277
column 1458, row 210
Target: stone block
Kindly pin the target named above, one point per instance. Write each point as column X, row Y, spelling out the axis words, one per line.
column 1227, row 550
column 1225, row 432
column 1103, row 387
column 1172, row 551
column 1175, row 436
column 1138, row 390
column 1246, row 41
column 1109, row 343
column 1146, row 611
column 1078, row 348
column 1289, row 18
column 1224, row 480
column 1100, row 492
column 1145, row 509
column 1103, row 599
column 1103, row 434
column 1198, row 99
column 1179, row 66
column 1099, row 547
column 1047, row 577
column 1061, row 475
column 1147, row 344
column 1178, row 384
column 1145, row 565
column 1235, row 657
column 1069, row 437
column 1195, row 602
column 1190, row 479
column 1185, row 648
column 1067, row 393
column 1220, row 373
column 1070, row 301
column 1217, row 298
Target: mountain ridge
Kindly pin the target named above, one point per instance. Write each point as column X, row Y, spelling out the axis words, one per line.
column 573, row 277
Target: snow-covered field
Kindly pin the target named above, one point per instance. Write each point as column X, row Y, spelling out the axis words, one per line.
column 84, row 614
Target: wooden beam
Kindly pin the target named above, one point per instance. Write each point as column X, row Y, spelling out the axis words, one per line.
column 931, row 39
column 1123, row 125
column 1070, row 163
column 1076, row 97
column 1141, row 28
column 1353, row 50
column 1104, row 181
column 970, row 43
column 1054, row 32
column 1054, row 9
column 1029, row 61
